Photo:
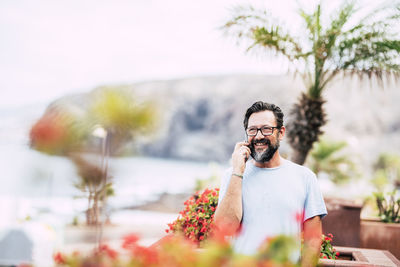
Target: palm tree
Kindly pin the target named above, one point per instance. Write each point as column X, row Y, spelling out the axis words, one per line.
column 367, row 47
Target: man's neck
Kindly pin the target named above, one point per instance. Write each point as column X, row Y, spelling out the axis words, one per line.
column 274, row 162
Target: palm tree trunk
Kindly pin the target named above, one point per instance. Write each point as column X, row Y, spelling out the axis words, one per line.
column 299, row 157
column 304, row 128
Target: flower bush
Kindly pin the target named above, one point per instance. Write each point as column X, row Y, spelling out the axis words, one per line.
column 195, row 221
column 178, row 251
column 327, row 250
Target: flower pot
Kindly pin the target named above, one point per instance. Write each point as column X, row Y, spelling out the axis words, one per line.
column 380, row 235
column 343, row 221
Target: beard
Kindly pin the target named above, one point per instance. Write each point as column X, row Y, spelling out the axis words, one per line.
column 265, row 155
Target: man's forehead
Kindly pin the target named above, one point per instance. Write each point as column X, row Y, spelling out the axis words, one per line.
column 265, row 117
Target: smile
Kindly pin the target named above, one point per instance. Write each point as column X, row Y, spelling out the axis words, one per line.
column 260, row 144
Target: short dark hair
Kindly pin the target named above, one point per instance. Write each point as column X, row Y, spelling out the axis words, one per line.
column 262, row 106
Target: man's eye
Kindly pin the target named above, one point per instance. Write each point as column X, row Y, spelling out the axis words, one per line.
column 267, row 128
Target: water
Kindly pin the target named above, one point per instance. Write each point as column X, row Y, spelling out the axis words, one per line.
column 34, row 184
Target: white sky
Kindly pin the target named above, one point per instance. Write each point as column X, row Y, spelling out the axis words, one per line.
column 50, row 48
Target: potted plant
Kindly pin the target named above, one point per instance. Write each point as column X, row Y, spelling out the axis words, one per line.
column 383, row 232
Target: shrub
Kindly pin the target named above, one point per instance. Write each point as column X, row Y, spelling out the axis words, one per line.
column 195, row 221
column 388, row 206
column 327, row 250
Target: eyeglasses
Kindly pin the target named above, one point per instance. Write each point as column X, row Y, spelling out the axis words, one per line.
column 265, row 130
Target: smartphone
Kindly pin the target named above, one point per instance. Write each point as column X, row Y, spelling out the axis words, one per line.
column 246, row 139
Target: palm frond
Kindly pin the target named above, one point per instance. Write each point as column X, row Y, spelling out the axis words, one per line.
column 369, row 49
column 256, row 26
column 275, row 39
column 336, row 26
column 369, row 53
column 329, row 157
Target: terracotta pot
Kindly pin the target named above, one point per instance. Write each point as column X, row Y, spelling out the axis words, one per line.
column 376, row 234
column 343, row 222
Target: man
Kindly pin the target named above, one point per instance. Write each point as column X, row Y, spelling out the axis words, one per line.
column 266, row 195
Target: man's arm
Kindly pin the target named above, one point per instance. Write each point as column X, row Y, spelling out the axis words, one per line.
column 312, row 241
column 229, row 211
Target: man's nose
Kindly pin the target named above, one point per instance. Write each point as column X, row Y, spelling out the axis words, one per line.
column 259, row 135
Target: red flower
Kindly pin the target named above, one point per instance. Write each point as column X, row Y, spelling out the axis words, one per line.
column 148, row 254
column 300, row 216
column 48, row 132
column 109, row 251
column 197, row 215
column 130, row 241
column 59, row 258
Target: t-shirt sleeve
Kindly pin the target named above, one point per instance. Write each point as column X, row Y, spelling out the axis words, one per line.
column 224, row 184
column 314, row 204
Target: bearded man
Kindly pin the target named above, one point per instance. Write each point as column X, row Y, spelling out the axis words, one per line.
column 268, row 195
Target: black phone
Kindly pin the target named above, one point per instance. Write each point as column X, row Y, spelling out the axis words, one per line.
column 246, row 139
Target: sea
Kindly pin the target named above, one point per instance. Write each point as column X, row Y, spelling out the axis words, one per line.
column 38, row 197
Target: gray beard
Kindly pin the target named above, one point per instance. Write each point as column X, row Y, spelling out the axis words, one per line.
column 266, row 155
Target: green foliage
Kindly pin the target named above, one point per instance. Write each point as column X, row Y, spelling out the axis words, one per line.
column 202, row 184
column 388, row 206
column 386, row 171
column 279, row 249
column 118, row 110
column 328, row 157
column 121, row 116
column 327, row 250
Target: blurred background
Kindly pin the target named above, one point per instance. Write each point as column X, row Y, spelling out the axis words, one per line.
column 159, row 91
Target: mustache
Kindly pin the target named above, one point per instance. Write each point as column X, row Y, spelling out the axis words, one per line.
column 262, row 141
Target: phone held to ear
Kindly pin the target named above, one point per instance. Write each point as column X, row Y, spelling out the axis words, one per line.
column 246, row 140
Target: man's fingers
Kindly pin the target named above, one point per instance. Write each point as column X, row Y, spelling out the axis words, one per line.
column 241, row 144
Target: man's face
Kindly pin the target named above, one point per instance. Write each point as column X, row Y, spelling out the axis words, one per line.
column 263, row 147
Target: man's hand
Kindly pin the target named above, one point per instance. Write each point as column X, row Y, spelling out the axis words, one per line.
column 229, row 211
column 239, row 157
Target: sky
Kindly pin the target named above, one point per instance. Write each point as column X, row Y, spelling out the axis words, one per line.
column 52, row 48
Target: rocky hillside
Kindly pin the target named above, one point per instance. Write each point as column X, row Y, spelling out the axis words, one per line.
column 202, row 117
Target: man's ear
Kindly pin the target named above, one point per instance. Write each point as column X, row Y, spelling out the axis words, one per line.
column 282, row 132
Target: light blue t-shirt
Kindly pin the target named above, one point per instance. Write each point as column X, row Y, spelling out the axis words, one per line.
column 273, row 199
